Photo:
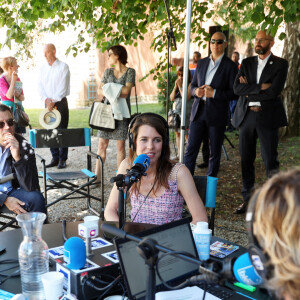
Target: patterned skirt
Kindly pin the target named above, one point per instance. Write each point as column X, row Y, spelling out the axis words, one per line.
column 120, row 133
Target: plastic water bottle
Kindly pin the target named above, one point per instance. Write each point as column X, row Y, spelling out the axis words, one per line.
column 202, row 236
column 33, row 255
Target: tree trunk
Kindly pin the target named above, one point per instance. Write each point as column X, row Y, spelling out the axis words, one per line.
column 291, row 91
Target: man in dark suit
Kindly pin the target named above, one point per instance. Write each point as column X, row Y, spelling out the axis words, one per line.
column 259, row 111
column 212, row 87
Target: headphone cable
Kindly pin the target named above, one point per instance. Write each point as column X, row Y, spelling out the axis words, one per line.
column 144, row 200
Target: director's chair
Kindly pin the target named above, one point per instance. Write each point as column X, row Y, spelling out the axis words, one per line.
column 77, row 137
column 207, row 189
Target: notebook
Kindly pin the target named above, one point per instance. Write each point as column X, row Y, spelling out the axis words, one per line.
column 176, row 236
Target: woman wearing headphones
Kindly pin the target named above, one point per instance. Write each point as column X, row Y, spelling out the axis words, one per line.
column 274, row 217
column 159, row 196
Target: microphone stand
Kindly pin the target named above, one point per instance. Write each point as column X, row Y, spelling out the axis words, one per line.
column 124, row 183
column 170, row 36
column 148, row 249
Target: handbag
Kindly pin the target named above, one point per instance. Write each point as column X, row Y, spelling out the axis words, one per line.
column 173, row 120
column 21, row 119
column 133, row 116
column 101, row 117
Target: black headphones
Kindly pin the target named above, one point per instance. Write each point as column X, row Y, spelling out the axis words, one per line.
column 259, row 259
column 165, row 124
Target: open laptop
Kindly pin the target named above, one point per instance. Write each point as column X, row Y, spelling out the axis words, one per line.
column 176, row 236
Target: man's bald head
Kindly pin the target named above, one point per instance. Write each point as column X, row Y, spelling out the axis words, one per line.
column 50, row 53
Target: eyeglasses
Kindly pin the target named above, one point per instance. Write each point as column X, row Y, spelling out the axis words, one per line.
column 261, row 40
column 9, row 122
column 219, row 42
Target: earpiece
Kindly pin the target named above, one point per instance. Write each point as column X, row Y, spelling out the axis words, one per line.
column 132, row 122
column 258, row 257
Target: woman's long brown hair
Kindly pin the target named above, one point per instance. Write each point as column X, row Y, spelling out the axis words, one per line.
column 164, row 165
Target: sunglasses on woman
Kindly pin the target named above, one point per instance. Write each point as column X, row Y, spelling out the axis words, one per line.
column 9, row 122
column 219, row 42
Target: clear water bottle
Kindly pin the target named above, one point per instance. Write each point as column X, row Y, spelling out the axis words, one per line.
column 202, row 236
column 33, row 255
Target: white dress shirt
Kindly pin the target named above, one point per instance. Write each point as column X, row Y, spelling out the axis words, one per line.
column 211, row 71
column 54, row 81
column 260, row 67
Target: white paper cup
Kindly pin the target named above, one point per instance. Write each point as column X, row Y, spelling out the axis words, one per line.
column 53, row 285
column 91, row 219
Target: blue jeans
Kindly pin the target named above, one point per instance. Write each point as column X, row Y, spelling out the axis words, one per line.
column 34, row 201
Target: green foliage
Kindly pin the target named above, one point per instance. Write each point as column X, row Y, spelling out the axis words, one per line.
column 245, row 17
column 111, row 22
column 162, row 87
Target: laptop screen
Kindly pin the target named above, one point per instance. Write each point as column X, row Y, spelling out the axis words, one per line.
column 176, row 236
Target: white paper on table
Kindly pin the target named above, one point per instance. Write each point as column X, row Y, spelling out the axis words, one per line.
column 188, row 293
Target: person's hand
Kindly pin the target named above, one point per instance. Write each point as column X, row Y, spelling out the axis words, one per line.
column 199, row 92
column 17, row 94
column 49, row 104
column 11, row 142
column 208, row 91
column 243, row 79
column 14, row 205
column 14, row 78
column 265, row 86
column 179, row 82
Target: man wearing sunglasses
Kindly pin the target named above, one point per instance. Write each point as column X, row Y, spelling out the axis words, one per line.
column 259, row 111
column 21, row 194
column 212, row 86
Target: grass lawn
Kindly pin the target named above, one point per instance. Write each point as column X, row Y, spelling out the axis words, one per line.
column 79, row 117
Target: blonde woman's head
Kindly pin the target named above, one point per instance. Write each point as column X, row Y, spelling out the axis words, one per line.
column 276, row 227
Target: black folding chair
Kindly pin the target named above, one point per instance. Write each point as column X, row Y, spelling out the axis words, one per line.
column 207, row 190
column 8, row 218
column 77, row 137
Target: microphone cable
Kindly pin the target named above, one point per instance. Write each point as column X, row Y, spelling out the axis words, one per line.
column 64, row 225
column 15, row 273
column 194, row 280
column 88, row 282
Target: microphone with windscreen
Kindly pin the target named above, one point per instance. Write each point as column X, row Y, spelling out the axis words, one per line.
column 245, row 272
column 74, row 253
column 139, row 168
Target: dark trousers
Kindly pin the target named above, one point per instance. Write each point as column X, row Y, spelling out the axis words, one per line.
column 205, row 148
column 249, row 131
column 62, row 107
column 198, row 130
column 34, row 201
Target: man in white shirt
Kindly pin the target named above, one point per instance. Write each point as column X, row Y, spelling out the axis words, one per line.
column 259, row 111
column 54, row 87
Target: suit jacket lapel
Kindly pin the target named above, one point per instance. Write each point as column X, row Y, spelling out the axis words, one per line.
column 203, row 71
column 218, row 72
column 253, row 69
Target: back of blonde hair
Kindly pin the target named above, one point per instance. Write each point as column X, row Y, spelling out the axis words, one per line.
column 277, row 229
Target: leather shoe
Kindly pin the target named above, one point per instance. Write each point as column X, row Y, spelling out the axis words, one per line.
column 54, row 163
column 62, row 164
column 242, row 208
column 203, row 165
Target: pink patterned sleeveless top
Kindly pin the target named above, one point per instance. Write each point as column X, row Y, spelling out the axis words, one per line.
column 160, row 210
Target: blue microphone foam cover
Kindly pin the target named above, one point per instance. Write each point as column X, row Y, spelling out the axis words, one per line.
column 75, row 253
